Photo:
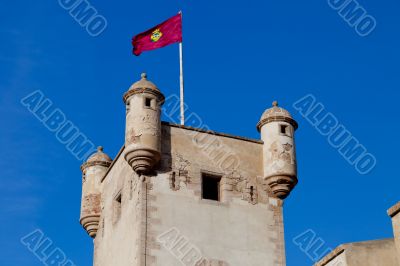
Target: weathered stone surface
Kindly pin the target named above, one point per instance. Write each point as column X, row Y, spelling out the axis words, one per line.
column 156, row 186
column 242, row 227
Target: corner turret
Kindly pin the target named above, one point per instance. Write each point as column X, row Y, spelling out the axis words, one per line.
column 143, row 103
column 277, row 129
column 93, row 171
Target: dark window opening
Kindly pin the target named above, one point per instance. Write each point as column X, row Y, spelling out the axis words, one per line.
column 284, row 129
column 147, row 102
column 210, row 187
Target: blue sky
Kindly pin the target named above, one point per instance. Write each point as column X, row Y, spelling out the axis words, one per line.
column 239, row 57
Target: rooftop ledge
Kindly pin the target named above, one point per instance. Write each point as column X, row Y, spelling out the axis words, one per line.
column 212, row 132
column 342, row 248
column 333, row 254
column 394, row 210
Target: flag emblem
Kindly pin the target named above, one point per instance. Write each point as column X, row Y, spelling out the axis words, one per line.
column 163, row 34
column 156, row 35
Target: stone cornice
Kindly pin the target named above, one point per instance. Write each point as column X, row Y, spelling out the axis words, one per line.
column 131, row 92
column 275, row 119
column 101, row 163
column 394, row 210
column 336, row 252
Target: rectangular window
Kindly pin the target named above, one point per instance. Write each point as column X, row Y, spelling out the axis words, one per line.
column 284, row 129
column 147, row 102
column 211, row 187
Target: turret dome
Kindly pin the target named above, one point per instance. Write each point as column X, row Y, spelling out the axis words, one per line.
column 143, row 85
column 98, row 158
column 276, row 113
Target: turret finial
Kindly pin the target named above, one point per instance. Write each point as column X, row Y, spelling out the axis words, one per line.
column 144, row 76
column 100, row 148
column 275, row 103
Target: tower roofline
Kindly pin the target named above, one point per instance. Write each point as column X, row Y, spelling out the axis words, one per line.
column 211, row 132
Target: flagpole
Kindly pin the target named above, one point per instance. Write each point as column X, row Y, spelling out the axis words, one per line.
column 181, row 81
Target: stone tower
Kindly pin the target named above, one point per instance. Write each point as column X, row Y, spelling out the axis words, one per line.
column 178, row 195
column 143, row 103
column 277, row 129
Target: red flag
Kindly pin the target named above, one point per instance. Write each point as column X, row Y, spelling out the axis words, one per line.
column 168, row 32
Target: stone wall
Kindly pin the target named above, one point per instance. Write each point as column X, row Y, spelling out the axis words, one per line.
column 120, row 235
column 244, row 228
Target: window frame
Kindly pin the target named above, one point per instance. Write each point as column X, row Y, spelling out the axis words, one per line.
column 149, row 102
column 287, row 132
column 210, row 176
